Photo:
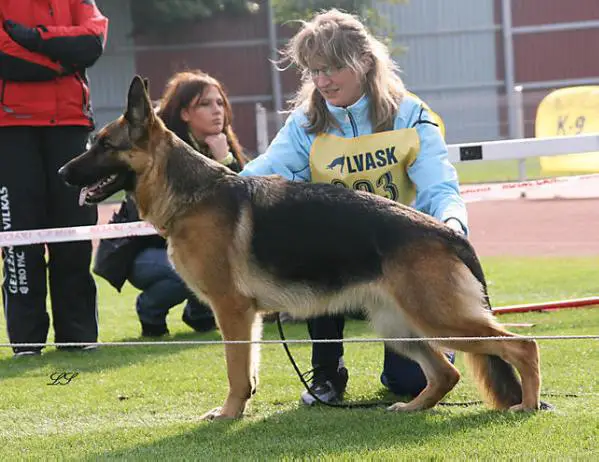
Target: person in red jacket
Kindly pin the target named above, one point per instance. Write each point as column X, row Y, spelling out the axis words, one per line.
column 45, row 120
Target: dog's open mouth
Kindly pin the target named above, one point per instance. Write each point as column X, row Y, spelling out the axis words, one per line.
column 103, row 189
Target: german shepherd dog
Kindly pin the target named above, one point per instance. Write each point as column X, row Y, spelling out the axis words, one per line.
column 252, row 244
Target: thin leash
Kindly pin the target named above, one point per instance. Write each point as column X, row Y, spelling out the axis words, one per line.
column 359, row 405
column 372, row 404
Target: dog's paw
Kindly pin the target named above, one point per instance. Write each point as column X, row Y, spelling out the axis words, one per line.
column 522, row 408
column 401, row 407
column 217, row 414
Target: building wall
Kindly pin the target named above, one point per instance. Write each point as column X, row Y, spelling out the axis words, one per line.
column 111, row 75
column 540, row 12
column 235, row 50
column 453, row 59
column 556, row 44
column 449, row 60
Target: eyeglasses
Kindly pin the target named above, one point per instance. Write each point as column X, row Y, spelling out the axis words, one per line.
column 329, row 71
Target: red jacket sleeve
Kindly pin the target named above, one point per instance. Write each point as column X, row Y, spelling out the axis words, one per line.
column 80, row 45
column 19, row 64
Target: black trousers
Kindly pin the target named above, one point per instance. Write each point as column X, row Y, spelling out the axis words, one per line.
column 32, row 196
column 326, row 355
column 400, row 374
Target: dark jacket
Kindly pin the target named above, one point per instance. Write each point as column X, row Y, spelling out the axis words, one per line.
column 115, row 257
column 45, row 48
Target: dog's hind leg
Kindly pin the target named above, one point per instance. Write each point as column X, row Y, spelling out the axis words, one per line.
column 237, row 320
column 441, row 376
column 444, row 299
column 491, row 362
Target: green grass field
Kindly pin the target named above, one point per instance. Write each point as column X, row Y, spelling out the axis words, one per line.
column 503, row 170
column 496, row 171
column 144, row 403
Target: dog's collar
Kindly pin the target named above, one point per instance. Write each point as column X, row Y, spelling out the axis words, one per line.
column 163, row 229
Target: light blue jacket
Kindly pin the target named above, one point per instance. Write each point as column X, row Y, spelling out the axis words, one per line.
column 435, row 178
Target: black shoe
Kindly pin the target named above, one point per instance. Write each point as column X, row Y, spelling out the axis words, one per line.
column 86, row 348
column 199, row 325
column 545, row 406
column 153, row 330
column 327, row 386
column 23, row 352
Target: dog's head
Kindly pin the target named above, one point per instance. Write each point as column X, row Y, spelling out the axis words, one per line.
column 118, row 154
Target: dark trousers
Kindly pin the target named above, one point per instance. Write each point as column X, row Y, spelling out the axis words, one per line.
column 32, row 196
column 326, row 355
column 400, row 374
column 162, row 288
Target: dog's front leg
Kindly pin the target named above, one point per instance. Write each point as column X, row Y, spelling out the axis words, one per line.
column 236, row 317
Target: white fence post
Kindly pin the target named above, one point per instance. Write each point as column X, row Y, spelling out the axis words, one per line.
column 520, row 127
column 261, row 128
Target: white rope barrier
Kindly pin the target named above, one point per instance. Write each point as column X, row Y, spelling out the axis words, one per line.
column 494, row 191
column 301, row 341
column 76, row 233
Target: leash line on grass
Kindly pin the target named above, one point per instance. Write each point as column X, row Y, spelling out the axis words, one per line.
column 298, row 341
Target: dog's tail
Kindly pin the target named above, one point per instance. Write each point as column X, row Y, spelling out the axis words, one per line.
column 495, row 377
column 496, row 380
column 466, row 253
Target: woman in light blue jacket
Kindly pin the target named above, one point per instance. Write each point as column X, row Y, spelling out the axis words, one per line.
column 355, row 125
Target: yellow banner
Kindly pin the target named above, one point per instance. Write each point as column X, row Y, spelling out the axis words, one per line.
column 567, row 112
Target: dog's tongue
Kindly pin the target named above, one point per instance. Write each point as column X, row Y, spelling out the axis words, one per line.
column 82, row 196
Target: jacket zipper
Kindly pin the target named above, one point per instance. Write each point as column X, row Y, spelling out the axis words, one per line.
column 354, row 127
column 84, row 97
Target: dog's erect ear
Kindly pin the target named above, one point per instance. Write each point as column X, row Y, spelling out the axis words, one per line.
column 139, row 108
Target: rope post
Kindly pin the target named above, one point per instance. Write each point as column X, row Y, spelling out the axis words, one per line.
column 520, row 127
column 261, row 128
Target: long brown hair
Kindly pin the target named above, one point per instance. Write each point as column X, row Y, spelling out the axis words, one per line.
column 180, row 91
column 341, row 40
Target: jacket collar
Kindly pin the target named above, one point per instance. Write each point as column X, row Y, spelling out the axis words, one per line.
column 358, row 110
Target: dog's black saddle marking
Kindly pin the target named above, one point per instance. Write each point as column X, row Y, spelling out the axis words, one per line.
column 328, row 236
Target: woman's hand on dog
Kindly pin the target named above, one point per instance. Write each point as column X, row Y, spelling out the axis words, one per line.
column 456, row 225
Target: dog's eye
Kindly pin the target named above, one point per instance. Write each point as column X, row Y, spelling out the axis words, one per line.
column 91, row 140
column 105, row 144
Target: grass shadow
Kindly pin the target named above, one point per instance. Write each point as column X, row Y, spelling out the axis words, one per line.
column 324, row 433
column 113, row 357
column 102, row 359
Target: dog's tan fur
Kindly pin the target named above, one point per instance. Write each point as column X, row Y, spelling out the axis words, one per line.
column 425, row 290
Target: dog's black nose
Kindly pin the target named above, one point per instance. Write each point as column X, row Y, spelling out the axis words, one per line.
column 63, row 174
